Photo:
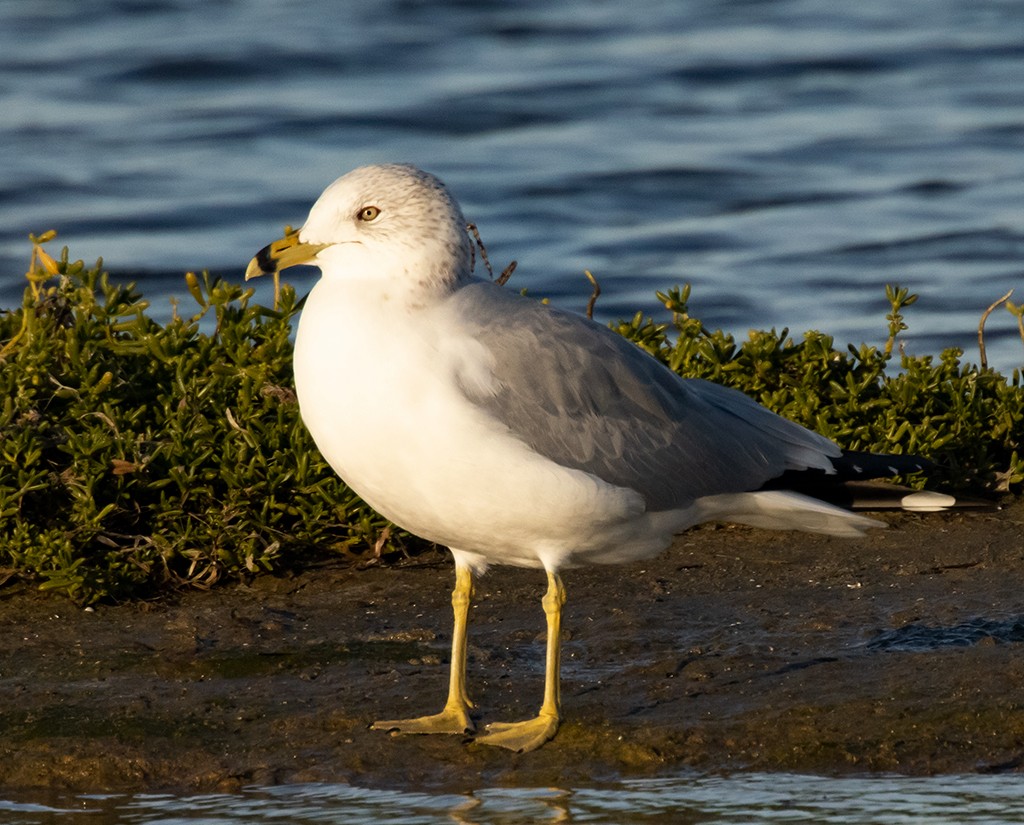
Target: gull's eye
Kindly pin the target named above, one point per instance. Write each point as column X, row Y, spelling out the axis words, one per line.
column 368, row 213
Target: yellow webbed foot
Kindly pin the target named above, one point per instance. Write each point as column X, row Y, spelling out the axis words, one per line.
column 520, row 736
column 450, row 720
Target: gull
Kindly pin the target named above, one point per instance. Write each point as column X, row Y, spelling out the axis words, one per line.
column 510, row 431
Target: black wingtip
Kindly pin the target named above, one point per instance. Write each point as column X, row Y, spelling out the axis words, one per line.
column 882, row 495
column 855, row 485
column 861, row 466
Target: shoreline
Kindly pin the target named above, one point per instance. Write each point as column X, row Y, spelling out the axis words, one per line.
column 738, row 649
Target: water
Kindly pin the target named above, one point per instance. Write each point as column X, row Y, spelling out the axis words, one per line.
column 788, row 157
column 748, row 799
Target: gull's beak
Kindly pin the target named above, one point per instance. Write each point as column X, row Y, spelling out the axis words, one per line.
column 281, row 254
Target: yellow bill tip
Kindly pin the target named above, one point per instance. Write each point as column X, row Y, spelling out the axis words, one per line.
column 281, row 254
column 256, row 266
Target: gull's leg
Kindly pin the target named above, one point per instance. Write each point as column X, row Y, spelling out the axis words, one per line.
column 531, row 734
column 454, row 718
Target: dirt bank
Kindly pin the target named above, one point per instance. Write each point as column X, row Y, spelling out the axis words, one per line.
column 737, row 649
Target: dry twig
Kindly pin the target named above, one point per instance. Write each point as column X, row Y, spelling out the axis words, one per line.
column 981, row 328
column 594, row 295
column 506, row 273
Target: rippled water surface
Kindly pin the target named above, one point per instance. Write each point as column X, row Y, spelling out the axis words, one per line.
column 749, row 799
column 788, row 157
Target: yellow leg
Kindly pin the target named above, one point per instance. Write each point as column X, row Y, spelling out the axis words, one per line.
column 454, row 718
column 531, row 734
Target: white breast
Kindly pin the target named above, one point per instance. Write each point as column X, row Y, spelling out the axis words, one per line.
column 379, row 394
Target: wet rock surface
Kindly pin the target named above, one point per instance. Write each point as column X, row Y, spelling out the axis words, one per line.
column 737, row 649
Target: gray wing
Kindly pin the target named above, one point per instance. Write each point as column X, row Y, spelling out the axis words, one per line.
column 586, row 398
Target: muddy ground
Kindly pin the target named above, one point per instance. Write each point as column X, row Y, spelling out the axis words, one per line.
column 738, row 649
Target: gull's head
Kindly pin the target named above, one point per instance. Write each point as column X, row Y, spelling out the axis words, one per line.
column 387, row 223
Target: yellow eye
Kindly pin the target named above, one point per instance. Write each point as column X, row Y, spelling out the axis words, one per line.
column 368, row 213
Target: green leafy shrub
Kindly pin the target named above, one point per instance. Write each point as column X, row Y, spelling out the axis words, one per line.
column 137, row 454
column 969, row 421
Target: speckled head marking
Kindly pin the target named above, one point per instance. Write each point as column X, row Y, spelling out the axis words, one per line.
column 390, row 221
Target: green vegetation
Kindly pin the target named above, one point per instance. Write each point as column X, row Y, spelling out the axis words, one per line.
column 969, row 421
column 137, row 455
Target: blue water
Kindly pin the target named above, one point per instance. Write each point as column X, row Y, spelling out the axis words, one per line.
column 789, row 157
column 752, row 799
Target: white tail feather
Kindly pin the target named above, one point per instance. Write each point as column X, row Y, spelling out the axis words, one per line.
column 783, row 510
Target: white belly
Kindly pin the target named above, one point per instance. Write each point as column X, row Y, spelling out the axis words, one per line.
column 391, row 420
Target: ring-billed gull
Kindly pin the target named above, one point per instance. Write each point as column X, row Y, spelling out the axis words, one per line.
column 507, row 430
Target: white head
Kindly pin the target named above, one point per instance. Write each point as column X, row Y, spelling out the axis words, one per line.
column 389, row 223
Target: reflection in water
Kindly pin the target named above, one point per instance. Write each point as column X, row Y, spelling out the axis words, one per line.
column 744, row 798
column 550, row 805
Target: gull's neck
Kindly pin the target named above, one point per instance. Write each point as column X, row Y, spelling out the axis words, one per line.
column 391, row 280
